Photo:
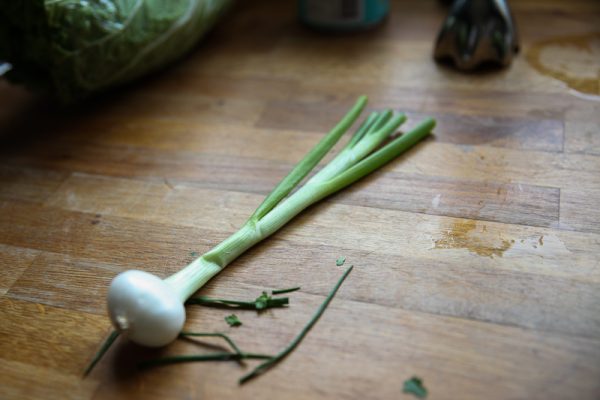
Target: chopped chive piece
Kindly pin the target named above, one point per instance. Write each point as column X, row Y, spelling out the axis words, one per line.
column 103, row 349
column 265, row 301
column 340, row 261
column 415, row 386
column 262, row 302
column 282, row 291
column 220, row 356
column 281, row 355
column 221, row 335
column 223, row 356
column 233, row 320
column 194, row 254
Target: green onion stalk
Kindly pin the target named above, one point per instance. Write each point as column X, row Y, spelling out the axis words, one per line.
column 150, row 311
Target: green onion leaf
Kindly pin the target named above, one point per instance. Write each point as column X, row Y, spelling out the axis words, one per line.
column 103, row 349
column 309, row 161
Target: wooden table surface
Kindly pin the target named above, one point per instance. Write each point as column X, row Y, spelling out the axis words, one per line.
column 476, row 254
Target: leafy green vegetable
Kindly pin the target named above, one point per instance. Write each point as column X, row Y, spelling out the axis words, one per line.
column 415, row 386
column 340, row 261
column 233, row 320
column 77, row 47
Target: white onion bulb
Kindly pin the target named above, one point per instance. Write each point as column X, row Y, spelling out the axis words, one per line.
column 145, row 308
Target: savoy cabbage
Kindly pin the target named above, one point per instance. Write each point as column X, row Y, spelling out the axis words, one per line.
column 77, row 47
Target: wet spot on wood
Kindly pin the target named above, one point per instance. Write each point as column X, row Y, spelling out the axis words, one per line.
column 466, row 235
column 570, row 59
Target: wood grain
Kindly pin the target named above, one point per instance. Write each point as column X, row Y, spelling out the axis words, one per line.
column 26, row 184
column 15, row 260
column 476, row 254
column 47, row 336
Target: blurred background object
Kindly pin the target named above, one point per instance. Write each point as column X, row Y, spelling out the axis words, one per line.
column 4, row 67
column 342, row 15
column 477, row 32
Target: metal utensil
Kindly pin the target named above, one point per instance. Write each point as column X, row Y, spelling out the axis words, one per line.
column 477, row 32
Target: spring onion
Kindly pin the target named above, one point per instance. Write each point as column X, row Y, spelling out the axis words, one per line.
column 150, row 311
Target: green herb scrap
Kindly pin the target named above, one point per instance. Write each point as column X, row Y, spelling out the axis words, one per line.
column 262, row 368
column 415, row 386
column 262, row 302
column 233, row 320
column 282, row 291
column 340, row 261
